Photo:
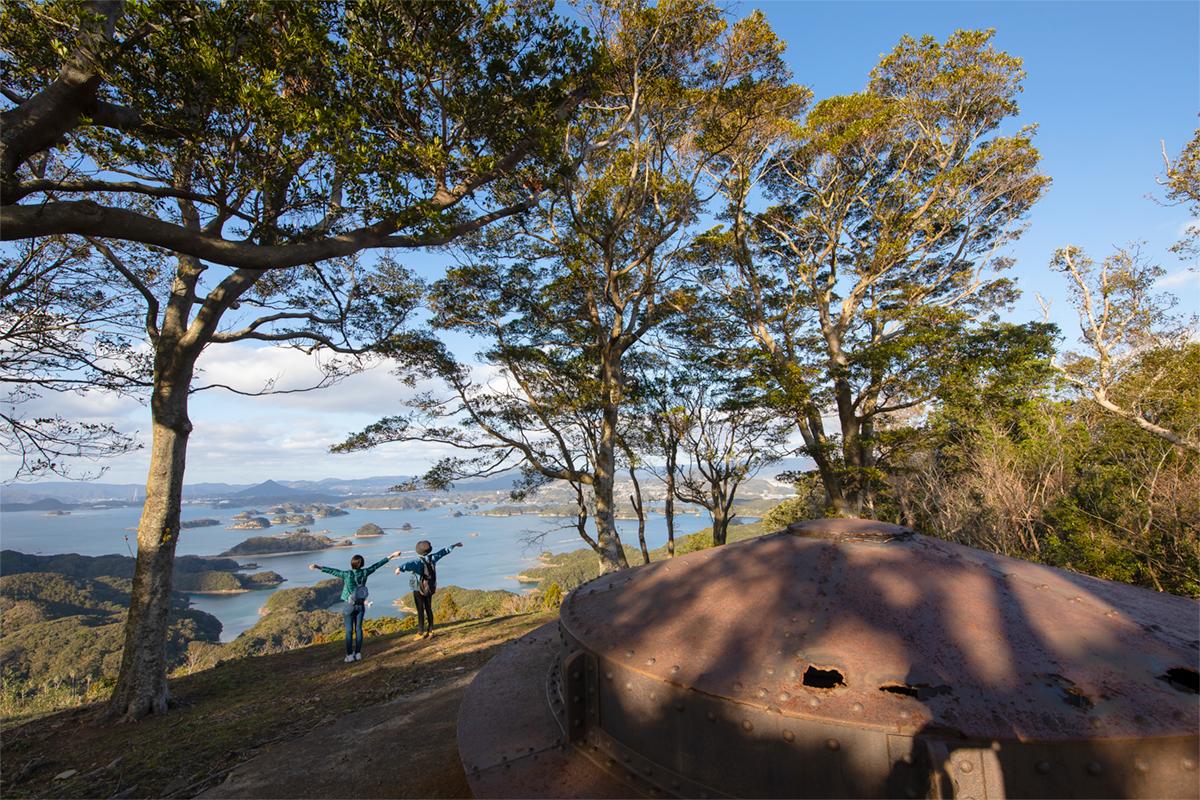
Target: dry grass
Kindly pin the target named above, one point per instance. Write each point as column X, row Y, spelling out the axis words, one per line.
column 224, row 714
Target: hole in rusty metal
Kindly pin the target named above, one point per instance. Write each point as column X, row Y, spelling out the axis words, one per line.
column 1074, row 697
column 920, row 691
column 1182, row 679
column 823, row 678
column 1071, row 694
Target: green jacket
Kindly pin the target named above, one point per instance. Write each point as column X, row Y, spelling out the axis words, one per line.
column 353, row 578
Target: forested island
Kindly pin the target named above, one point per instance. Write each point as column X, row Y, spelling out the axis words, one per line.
column 206, row 522
column 285, row 543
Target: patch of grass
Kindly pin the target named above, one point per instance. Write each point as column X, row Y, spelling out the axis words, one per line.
column 22, row 700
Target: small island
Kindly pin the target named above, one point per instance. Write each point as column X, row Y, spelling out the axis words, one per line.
column 285, row 544
column 206, row 522
column 369, row 529
column 406, row 526
column 251, row 524
column 292, row 518
column 328, row 511
column 213, row 582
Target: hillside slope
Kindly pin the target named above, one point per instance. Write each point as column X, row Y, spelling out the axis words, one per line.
column 265, row 720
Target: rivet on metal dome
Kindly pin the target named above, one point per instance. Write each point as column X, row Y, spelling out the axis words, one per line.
column 844, row 658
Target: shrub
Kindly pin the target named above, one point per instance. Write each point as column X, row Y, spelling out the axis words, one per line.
column 552, row 598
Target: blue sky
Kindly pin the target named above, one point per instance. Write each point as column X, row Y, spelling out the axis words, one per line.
column 1107, row 82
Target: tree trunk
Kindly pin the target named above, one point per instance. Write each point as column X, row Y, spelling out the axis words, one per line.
column 852, row 468
column 142, row 682
column 812, row 429
column 669, row 507
column 640, row 509
column 720, row 524
column 612, row 555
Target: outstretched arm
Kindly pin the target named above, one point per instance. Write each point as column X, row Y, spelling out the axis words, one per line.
column 445, row 551
column 338, row 572
column 377, row 565
column 409, row 566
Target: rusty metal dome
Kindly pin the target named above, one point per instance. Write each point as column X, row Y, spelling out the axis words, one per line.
column 844, row 658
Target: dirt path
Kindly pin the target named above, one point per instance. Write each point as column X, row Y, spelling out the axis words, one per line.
column 403, row 748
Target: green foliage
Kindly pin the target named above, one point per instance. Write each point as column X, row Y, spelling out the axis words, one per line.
column 113, row 566
column 63, row 631
column 576, row 567
column 1068, row 484
column 260, row 580
column 288, row 543
column 565, row 296
column 553, row 597
column 22, row 699
column 1183, row 187
column 791, row 510
column 383, row 626
column 455, row 602
column 210, row 581
column 207, row 582
column 693, row 543
column 871, row 285
column 387, row 106
column 317, row 597
column 448, row 608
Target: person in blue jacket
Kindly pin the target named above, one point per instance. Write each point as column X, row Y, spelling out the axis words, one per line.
column 354, row 599
column 423, row 582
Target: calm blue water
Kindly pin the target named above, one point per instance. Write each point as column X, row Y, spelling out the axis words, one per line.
column 495, row 549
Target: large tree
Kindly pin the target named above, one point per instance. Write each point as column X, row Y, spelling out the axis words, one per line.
column 1126, row 323
column 562, row 296
column 1127, row 327
column 64, row 330
column 263, row 145
column 862, row 287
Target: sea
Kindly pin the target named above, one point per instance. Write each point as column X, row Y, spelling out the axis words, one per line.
column 495, row 549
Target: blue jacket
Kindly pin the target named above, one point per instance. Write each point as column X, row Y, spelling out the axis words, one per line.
column 353, row 578
column 414, row 566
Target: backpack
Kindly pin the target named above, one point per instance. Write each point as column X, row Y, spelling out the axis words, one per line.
column 428, row 582
column 360, row 593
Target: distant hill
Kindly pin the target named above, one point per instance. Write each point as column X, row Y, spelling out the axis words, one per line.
column 274, row 492
column 114, row 565
column 45, row 504
column 335, row 490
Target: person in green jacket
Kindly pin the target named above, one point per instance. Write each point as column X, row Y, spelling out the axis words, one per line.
column 354, row 597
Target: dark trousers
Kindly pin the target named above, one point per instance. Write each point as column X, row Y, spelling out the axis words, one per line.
column 424, row 604
column 352, row 616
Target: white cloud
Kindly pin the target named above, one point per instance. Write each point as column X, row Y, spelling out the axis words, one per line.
column 375, row 391
column 100, row 407
column 1180, row 278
